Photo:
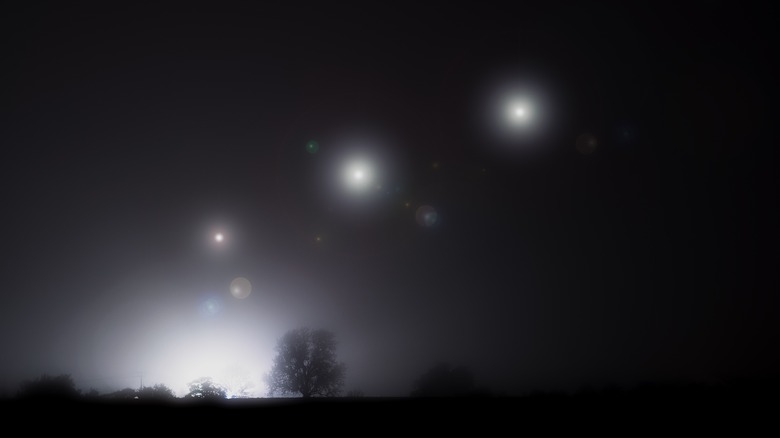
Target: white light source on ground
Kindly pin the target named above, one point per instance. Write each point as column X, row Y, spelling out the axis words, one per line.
column 217, row 353
column 219, row 237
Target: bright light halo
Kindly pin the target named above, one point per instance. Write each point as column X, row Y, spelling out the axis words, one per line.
column 358, row 175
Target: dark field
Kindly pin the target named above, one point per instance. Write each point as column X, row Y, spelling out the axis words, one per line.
column 737, row 408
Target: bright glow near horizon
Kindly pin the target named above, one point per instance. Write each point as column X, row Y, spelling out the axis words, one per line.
column 225, row 357
column 234, row 352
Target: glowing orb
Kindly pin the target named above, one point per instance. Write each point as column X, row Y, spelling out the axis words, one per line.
column 312, row 147
column 518, row 113
column 240, row 288
column 426, row 216
column 587, row 143
column 358, row 176
column 219, row 237
column 519, row 109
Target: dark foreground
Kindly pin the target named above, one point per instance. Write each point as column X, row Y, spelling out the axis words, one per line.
column 691, row 410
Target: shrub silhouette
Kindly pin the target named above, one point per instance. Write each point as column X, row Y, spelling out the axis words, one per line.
column 205, row 389
column 59, row 387
column 156, row 392
column 123, row 394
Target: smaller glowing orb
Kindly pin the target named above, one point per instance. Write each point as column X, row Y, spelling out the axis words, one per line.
column 312, row 147
column 240, row 288
column 520, row 112
column 359, row 175
column 219, row 237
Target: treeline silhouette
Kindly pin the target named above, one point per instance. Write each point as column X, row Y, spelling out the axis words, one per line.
column 444, row 396
column 442, row 381
column 306, row 381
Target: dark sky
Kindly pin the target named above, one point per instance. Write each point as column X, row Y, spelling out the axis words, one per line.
column 130, row 136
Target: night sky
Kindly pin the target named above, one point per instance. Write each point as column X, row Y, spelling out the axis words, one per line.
column 552, row 196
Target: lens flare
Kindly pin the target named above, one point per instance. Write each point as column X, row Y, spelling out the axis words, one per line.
column 312, row 147
column 587, row 144
column 426, row 216
column 240, row 288
column 210, row 306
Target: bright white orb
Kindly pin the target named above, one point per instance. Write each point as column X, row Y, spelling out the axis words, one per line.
column 518, row 113
column 219, row 237
column 358, row 176
column 520, row 110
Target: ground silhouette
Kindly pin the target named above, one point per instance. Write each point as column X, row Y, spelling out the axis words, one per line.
column 743, row 407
